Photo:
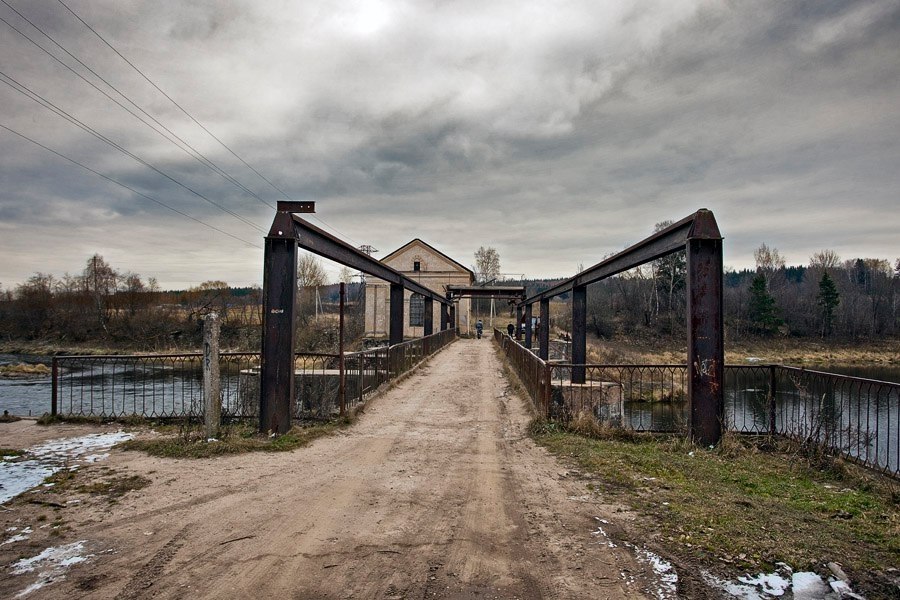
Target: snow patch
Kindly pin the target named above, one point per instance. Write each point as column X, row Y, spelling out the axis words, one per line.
column 44, row 460
column 803, row 585
column 51, row 565
column 21, row 536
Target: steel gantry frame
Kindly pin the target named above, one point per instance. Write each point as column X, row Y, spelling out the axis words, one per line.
column 698, row 235
column 288, row 233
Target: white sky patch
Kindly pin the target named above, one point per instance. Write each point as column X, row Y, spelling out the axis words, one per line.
column 44, row 460
column 50, row 565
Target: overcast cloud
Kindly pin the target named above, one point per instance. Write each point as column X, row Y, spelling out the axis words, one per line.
column 557, row 132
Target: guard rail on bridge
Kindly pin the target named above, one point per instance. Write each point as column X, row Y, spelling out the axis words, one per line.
column 853, row 417
column 170, row 386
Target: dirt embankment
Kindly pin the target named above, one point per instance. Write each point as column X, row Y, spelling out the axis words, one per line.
column 436, row 492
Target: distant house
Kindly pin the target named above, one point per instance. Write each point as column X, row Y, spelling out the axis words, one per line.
column 431, row 268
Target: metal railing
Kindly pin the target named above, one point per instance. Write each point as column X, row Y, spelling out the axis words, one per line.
column 854, row 417
column 166, row 386
column 533, row 372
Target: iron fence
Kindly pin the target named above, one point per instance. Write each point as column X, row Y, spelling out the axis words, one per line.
column 533, row 372
column 165, row 386
column 853, row 417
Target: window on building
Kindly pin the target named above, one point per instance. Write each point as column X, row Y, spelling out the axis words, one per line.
column 416, row 310
column 417, row 266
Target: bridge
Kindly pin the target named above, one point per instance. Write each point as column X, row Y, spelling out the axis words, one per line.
column 697, row 235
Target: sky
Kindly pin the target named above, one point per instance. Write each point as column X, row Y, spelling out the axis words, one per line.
column 557, row 132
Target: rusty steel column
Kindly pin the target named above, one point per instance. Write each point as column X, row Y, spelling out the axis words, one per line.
column 453, row 316
column 342, row 371
column 277, row 359
column 395, row 327
column 528, row 331
column 429, row 316
column 579, row 332
column 706, row 348
column 445, row 317
column 518, row 322
column 544, row 330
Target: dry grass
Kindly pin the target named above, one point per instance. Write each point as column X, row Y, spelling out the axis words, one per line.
column 790, row 351
column 745, row 505
column 24, row 371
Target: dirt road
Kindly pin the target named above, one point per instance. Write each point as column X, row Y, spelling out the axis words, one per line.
column 436, row 492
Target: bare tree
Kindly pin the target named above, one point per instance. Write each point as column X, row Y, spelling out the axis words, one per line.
column 825, row 260
column 768, row 262
column 310, row 272
column 487, row 264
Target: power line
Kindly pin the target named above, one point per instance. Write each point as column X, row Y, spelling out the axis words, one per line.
column 24, row 90
column 170, row 99
column 189, row 115
column 127, row 187
column 181, row 144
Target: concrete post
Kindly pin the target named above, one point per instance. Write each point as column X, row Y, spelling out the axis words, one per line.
column 212, row 395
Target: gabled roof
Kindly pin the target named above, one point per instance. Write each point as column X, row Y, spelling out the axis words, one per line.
column 433, row 249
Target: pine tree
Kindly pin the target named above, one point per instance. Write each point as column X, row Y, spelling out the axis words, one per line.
column 764, row 317
column 827, row 299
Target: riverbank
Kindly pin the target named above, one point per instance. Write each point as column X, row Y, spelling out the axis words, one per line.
column 787, row 351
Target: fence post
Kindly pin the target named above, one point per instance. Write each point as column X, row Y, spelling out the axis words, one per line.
column 211, row 382
column 341, row 372
column 771, row 398
column 54, row 390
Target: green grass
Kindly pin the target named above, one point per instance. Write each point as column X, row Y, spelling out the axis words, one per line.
column 746, row 505
column 234, row 439
column 7, row 452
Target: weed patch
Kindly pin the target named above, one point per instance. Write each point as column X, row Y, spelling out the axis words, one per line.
column 745, row 505
column 115, row 487
column 237, row 438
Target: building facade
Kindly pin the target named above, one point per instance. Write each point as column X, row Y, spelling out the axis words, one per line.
column 427, row 266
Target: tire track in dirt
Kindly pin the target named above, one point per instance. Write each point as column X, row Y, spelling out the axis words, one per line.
column 436, row 492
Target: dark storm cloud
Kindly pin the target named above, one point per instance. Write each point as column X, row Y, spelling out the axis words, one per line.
column 557, row 133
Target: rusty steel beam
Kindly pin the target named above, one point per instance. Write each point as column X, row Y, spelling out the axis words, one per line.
column 528, row 328
column 544, row 330
column 429, row 317
column 700, row 225
column 579, row 332
column 311, row 238
column 277, row 357
column 395, row 326
column 706, row 348
column 496, row 292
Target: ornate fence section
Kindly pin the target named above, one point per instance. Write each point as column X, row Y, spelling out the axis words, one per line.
column 851, row 416
column 165, row 386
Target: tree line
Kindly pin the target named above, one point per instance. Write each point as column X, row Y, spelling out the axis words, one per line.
column 106, row 306
column 857, row 298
